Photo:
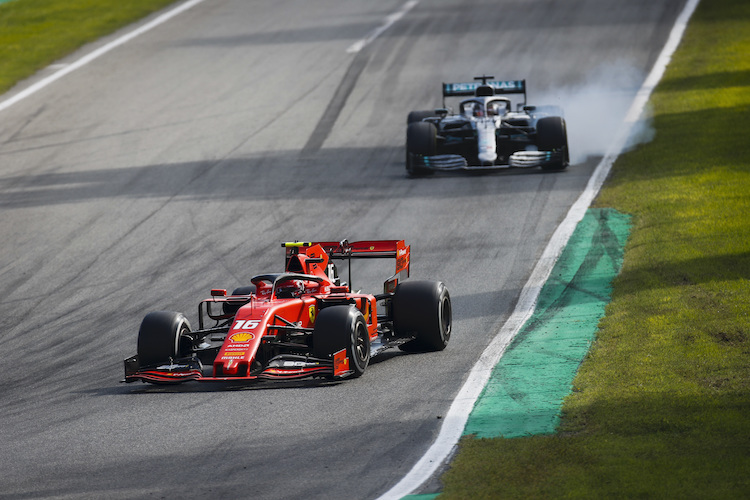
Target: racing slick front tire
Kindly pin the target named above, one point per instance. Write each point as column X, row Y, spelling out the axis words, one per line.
column 342, row 327
column 422, row 309
column 163, row 336
column 552, row 135
column 421, row 140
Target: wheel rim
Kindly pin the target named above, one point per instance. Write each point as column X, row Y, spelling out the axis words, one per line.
column 445, row 318
column 361, row 343
column 360, row 347
column 182, row 348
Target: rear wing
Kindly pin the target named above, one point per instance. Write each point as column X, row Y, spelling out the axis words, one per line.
column 498, row 87
column 368, row 249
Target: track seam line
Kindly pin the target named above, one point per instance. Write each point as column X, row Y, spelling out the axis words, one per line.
column 389, row 21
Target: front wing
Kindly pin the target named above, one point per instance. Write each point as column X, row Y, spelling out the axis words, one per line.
column 519, row 159
column 285, row 367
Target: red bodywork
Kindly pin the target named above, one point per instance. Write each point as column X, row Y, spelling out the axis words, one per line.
column 278, row 318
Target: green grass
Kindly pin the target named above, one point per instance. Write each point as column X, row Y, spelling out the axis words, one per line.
column 661, row 405
column 35, row 33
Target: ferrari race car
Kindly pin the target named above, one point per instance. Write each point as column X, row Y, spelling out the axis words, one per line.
column 486, row 133
column 303, row 322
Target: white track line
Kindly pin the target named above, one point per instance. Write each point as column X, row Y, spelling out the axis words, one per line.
column 455, row 420
column 361, row 44
column 458, row 414
column 97, row 53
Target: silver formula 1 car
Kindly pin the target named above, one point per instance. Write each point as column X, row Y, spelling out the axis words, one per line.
column 486, row 133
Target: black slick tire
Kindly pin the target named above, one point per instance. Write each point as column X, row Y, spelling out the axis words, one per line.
column 243, row 290
column 552, row 135
column 342, row 327
column 421, row 140
column 163, row 337
column 418, row 116
column 422, row 309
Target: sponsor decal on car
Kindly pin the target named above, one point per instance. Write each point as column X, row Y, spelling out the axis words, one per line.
column 233, row 355
column 340, row 363
column 402, row 259
column 242, row 337
column 173, row 367
column 311, row 311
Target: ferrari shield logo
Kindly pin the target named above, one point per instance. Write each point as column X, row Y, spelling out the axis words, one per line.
column 312, row 312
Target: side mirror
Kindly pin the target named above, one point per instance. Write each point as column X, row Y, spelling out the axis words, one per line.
column 441, row 112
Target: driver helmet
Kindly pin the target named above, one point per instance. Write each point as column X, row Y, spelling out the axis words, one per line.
column 290, row 289
column 478, row 111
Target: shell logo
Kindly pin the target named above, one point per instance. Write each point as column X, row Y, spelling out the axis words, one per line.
column 242, row 337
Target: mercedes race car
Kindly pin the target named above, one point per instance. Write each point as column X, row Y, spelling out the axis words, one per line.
column 303, row 322
column 486, row 133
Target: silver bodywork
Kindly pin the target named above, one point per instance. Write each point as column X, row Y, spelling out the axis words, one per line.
column 485, row 132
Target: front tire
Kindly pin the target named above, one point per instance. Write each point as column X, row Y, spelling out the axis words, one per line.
column 421, row 140
column 163, row 336
column 552, row 135
column 422, row 309
column 342, row 327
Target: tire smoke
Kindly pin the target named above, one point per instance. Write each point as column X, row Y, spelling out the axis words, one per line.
column 595, row 111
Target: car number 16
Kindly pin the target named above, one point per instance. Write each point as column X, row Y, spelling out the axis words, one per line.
column 250, row 324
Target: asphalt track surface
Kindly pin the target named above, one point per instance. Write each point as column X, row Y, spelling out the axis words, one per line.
column 179, row 161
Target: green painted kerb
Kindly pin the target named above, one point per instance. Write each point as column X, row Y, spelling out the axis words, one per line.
column 527, row 387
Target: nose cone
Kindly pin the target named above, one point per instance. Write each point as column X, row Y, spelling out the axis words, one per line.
column 487, row 156
column 486, row 145
column 230, row 367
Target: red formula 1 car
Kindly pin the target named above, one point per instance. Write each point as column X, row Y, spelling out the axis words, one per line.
column 303, row 322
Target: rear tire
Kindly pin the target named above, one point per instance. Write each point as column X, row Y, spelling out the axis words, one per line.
column 421, row 140
column 418, row 116
column 243, row 290
column 422, row 309
column 552, row 135
column 342, row 327
column 163, row 336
